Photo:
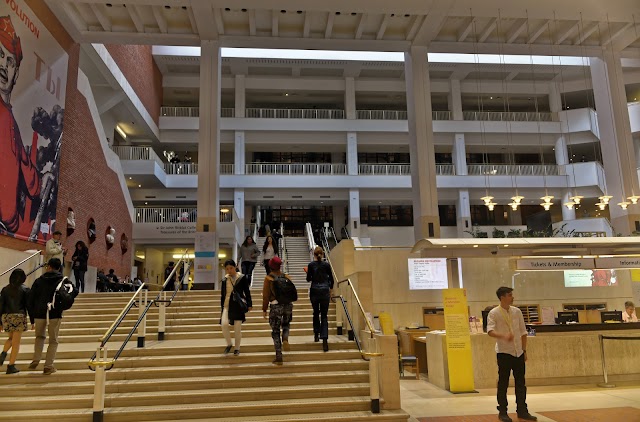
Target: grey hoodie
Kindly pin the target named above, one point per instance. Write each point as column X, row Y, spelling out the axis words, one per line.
column 249, row 253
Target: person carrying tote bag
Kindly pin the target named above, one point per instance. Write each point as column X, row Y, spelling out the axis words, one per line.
column 235, row 300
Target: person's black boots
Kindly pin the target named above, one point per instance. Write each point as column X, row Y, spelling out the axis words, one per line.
column 325, row 345
column 316, row 337
column 278, row 359
column 11, row 369
column 3, row 356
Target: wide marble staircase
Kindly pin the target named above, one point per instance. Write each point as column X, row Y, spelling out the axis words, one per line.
column 186, row 376
column 297, row 258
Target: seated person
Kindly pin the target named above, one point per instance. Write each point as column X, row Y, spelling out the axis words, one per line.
column 629, row 314
column 113, row 281
column 102, row 282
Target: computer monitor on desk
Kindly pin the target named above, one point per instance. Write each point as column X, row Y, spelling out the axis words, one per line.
column 611, row 316
column 565, row 317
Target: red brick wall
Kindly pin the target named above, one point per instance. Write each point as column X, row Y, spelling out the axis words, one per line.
column 86, row 183
column 137, row 64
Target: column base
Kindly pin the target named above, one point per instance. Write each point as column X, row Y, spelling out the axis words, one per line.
column 429, row 227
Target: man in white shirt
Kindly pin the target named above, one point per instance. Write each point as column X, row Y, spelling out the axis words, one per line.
column 629, row 314
column 506, row 325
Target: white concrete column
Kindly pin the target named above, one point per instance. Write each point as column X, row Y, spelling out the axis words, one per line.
column 426, row 221
column 555, row 98
column 463, row 213
column 239, row 153
column 241, row 98
column 561, row 151
column 615, row 140
column 455, row 99
column 350, row 98
column 352, row 153
column 459, row 154
column 209, row 164
column 354, row 212
column 567, row 214
column 238, row 202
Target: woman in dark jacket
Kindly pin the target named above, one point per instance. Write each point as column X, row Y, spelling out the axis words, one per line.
column 80, row 259
column 321, row 277
column 234, row 286
column 13, row 308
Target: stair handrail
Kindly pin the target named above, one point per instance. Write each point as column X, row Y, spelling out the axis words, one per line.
column 345, row 231
column 22, row 262
column 283, row 249
column 333, row 233
column 310, row 239
column 371, row 356
column 123, row 314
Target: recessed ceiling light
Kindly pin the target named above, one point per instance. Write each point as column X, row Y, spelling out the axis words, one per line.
column 475, row 246
column 139, row 186
column 130, row 177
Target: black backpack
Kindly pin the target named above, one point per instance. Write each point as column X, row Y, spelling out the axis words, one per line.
column 64, row 296
column 284, row 289
column 321, row 278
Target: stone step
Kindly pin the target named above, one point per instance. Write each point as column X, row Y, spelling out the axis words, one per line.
column 245, row 410
column 118, row 337
column 221, row 369
column 192, row 383
column 210, row 395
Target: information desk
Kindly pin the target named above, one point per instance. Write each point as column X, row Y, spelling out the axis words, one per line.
column 565, row 356
column 570, row 328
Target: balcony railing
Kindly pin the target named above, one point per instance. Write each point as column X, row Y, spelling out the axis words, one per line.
column 227, row 168
column 177, row 215
column 381, row 114
column 384, row 169
column 126, row 152
column 312, row 113
column 513, row 170
column 503, row 116
column 193, row 112
column 296, row 168
column 294, row 113
column 181, row 168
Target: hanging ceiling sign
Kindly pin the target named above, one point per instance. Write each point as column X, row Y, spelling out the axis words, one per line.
column 618, row 262
column 555, row 264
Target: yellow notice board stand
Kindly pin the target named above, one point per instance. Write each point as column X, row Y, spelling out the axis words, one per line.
column 458, row 338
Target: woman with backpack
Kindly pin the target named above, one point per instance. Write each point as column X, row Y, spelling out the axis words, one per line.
column 80, row 258
column 320, row 275
column 235, row 300
column 13, row 308
column 269, row 250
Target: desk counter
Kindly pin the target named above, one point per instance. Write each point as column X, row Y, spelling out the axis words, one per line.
column 558, row 358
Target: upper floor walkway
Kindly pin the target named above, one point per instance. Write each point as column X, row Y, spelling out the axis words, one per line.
column 143, row 161
column 272, row 119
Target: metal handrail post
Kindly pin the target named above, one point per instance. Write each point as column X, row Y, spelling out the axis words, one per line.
column 162, row 314
column 142, row 328
column 374, row 379
column 99, row 387
column 604, row 384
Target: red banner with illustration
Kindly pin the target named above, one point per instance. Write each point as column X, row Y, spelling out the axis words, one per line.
column 33, row 77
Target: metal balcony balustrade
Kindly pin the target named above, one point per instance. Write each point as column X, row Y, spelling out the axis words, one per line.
column 296, row 168
column 293, row 113
column 157, row 215
column 126, row 152
column 181, row 168
column 513, row 170
column 312, row 113
column 504, row 116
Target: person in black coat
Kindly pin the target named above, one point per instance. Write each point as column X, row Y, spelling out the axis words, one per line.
column 234, row 286
column 80, row 258
column 40, row 296
column 321, row 277
column 13, row 309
